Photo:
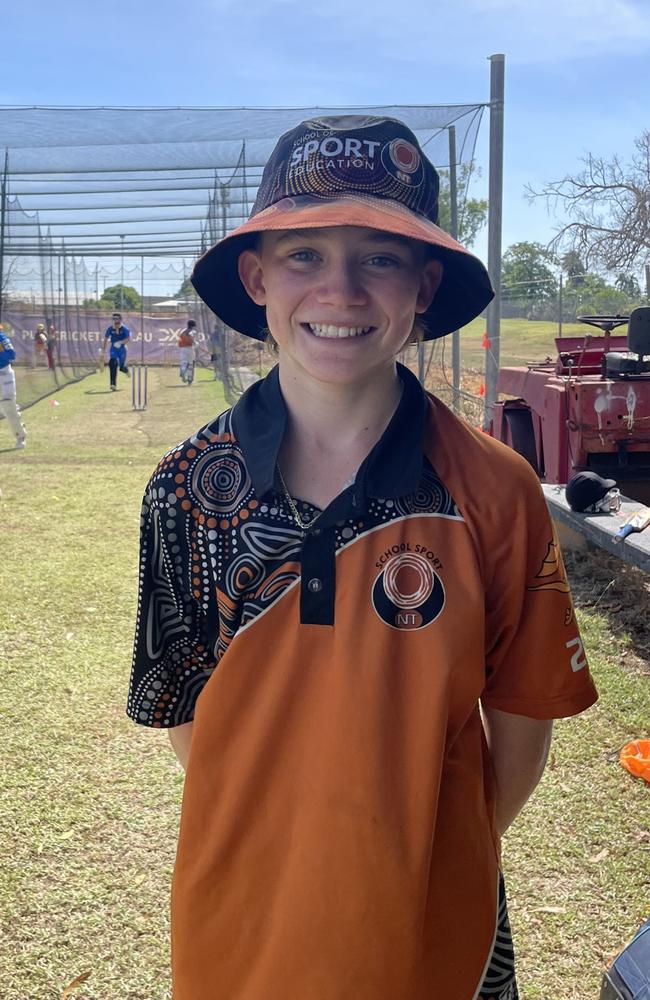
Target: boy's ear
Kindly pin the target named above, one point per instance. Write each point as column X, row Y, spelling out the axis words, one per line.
column 429, row 284
column 251, row 275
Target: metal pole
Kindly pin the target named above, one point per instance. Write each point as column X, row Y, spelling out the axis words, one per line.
column 58, row 302
column 647, row 280
column 53, row 313
column 560, row 297
column 77, row 311
column 453, row 228
column 497, row 90
column 142, row 309
column 244, row 178
column 3, row 217
column 66, row 318
column 224, row 210
column 92, row 356
column 122, row 276
column 41, row 258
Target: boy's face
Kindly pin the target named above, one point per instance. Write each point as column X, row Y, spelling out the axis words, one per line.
column 340, row 302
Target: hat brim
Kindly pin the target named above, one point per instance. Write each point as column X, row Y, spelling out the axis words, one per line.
column 464, row 291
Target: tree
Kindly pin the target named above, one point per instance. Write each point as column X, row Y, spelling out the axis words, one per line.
column 527, row 279
column 472, row 212
column 594, row 296
column 573, row 267
column 186, row 291
column 120, row 297
column 628, row 284
column 608, row 209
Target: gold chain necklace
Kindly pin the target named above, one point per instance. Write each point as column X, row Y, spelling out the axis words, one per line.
column 303, row 525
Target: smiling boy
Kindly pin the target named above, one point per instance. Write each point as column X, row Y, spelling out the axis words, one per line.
column 354, row 618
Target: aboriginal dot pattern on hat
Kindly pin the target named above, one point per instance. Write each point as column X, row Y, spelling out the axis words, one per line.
column 327, row 157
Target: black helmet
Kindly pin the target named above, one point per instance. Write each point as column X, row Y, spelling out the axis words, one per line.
column 586, row 489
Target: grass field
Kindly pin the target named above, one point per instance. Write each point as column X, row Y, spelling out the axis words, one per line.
column 90, row 803
column 522, row 341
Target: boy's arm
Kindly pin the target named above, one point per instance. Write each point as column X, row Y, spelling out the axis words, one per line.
column 180, row 738
column 518, row 748
column 8, row 352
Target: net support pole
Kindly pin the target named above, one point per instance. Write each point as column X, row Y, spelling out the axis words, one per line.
column 76, row 306
column 244, row 178
column 141, row 309
column 453, row 219
column 495, row 213
column 122, row 238
column 3, row 222
column 59, row 314
column 223, row 190
column 66, row 317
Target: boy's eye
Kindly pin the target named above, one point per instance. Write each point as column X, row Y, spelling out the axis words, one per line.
column 302, row 255
column 383, row 260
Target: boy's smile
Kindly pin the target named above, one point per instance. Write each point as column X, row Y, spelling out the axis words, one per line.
column 331, row 331
column 340, row 301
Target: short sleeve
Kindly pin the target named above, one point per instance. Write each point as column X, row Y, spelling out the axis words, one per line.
column 8, row 351
column 535, row 660
column 173, row 650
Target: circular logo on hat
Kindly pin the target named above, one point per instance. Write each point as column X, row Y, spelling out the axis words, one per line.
column 408, row 594
column 402, row 161
column 404, row 155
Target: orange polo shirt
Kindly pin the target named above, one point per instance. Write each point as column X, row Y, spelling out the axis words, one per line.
column 337, row 836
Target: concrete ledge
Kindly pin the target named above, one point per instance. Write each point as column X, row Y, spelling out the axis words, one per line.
column 576, row 529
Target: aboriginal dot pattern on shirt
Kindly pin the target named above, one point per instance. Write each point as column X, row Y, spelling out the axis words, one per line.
column 214, row 556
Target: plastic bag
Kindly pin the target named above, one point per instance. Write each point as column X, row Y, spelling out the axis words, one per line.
column 635, row 758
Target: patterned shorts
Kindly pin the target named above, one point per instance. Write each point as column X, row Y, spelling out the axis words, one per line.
column 499, row 982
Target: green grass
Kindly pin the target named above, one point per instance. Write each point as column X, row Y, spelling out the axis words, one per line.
column 522, row 341
column 90, row 803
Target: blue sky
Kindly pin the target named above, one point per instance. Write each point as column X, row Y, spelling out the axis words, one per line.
column 577, row 71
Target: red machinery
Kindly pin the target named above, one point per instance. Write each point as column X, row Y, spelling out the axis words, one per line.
column 588, row 409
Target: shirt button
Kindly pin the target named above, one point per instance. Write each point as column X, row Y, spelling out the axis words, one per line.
column 315, row 585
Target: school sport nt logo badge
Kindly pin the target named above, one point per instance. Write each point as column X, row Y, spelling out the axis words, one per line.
column 408, row 593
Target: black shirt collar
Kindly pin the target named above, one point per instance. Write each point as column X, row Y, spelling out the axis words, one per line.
column 393, row 467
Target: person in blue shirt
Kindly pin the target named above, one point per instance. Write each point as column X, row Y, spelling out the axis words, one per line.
column 117, row 336
column 8, row 405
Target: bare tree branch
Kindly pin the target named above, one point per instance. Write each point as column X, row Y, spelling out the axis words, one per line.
column 607, row 207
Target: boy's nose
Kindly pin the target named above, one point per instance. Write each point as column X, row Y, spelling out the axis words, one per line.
column 341, row 285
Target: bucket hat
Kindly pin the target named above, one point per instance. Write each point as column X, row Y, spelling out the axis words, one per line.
column 350, row 170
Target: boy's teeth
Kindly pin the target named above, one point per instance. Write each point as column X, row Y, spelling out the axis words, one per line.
column 326, row 330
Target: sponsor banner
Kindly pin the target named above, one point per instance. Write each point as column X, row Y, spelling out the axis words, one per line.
column 155, row 342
